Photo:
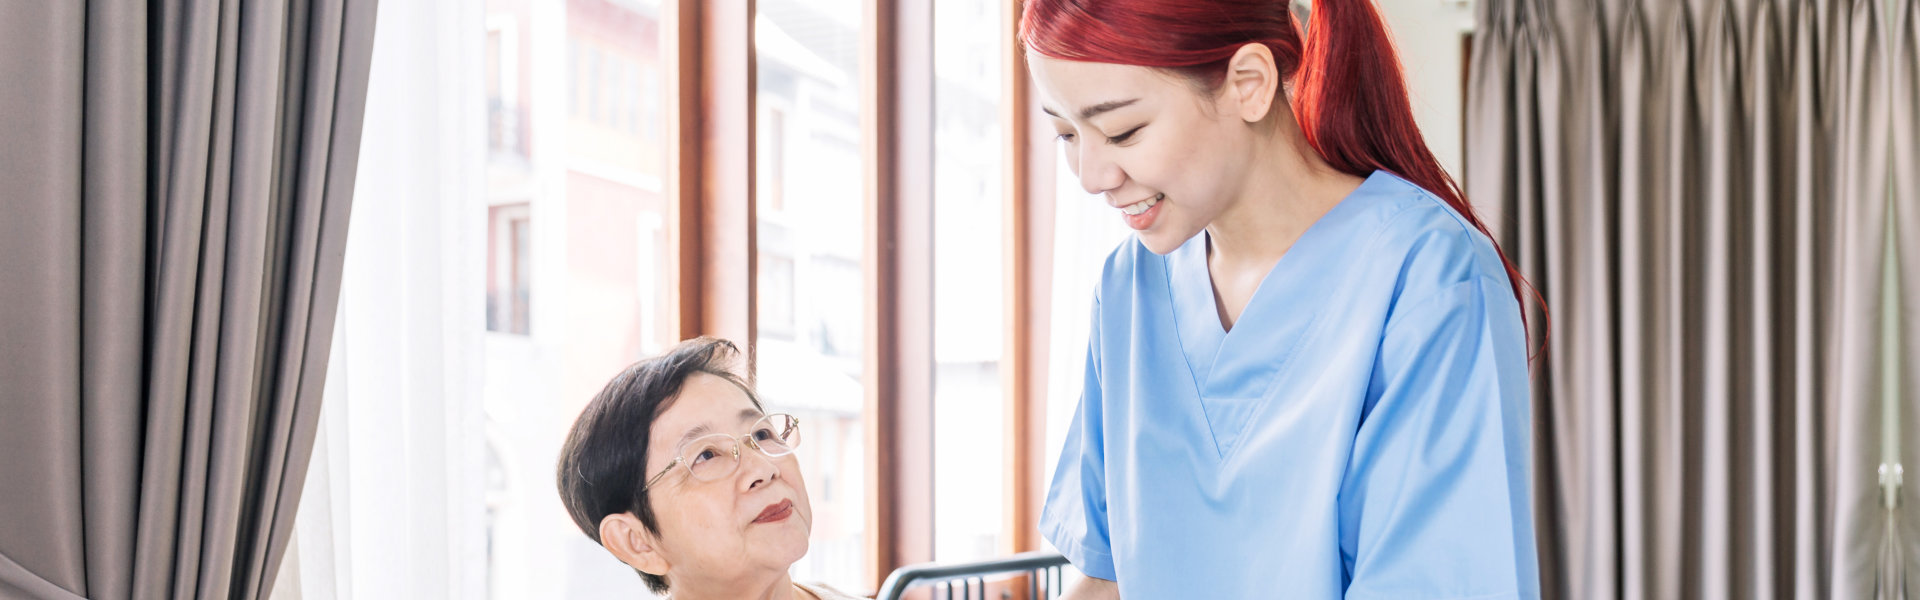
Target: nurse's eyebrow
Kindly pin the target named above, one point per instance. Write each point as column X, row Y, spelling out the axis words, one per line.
column 1095, row 110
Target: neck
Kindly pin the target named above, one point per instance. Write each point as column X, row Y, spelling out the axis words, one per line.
column 1287, row 188
column 763, row 588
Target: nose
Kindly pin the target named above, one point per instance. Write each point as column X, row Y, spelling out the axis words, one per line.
column 756, row 468
column 1097, row 171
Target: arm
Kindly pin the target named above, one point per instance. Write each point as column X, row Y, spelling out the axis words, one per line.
column 1093, row 588
column 1074, row 517
column 1436, row 500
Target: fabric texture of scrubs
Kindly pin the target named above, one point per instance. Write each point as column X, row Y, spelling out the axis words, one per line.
column 1362, row 432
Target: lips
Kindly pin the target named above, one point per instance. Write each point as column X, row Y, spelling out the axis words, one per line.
column 776, row 512
column 1144, row 217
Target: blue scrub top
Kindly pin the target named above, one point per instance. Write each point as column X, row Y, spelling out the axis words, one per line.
column 1362, row 432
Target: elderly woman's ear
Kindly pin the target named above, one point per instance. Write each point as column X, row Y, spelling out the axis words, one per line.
column 624, row 536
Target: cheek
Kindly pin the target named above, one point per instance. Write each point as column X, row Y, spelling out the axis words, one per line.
column 801, row 500
column 709, row 522
column 1178, row 162
column 1172, row 170
column 1200, row 167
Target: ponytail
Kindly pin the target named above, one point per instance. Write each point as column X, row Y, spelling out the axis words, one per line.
column 1350, row 97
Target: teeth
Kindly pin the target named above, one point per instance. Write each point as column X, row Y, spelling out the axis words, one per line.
column 1141, row 206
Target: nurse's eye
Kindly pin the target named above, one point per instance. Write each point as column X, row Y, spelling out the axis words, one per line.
column 1064, row 137
column 1122, row 138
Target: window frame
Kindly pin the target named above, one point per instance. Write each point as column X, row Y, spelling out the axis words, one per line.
column 710, row 99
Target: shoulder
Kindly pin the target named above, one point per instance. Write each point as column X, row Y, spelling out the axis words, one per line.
column 1124, row 268
column 1425, row 244
column 1125, row 259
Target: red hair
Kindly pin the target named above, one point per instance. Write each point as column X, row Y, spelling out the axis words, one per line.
column 1349, row 94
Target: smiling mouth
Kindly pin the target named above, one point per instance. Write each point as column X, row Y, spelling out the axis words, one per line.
column 775, row 512
column 1142, row 206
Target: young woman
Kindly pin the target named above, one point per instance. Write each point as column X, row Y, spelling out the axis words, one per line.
column 1307, row 375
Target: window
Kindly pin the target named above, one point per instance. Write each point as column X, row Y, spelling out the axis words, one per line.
column 576, row 97
column 497, row 281
column 772, row 160
column 776, row 296
column 497, row 135
column 968, row 282
column 812, row 228
column 593, row 83
column 572, row 211
column 632, row 107
column 509, row 267
column 650, row 116
column 586, row 222
column 502, row 83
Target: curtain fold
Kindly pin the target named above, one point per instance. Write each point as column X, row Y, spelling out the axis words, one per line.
column 1864, row 155
column 1906, row 206
column 182, row 171
column 1694, row 187
column 40, row 265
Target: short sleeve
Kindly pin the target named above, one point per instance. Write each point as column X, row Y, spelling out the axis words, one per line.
column 1075, row 515
column 1435, row 502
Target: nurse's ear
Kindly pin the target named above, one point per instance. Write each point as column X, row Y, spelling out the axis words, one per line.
column 628, row 540
column 1251, row 84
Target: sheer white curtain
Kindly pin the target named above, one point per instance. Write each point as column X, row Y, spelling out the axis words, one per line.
column 393, row 506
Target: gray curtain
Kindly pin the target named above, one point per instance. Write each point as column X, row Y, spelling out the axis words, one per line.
column 1700, row 189
column 1906, row 205
column 176, row 178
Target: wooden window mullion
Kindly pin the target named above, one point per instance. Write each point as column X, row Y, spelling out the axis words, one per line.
column 896, row 70
column 710, row 168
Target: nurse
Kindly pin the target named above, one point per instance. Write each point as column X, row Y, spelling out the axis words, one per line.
column 1307, row 374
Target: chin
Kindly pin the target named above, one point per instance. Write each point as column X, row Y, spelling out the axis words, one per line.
column 789, row 550
column 790, row 536
column 1161, row 241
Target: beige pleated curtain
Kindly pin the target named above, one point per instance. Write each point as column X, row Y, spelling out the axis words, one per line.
column 174, row 184
column 1703, row 191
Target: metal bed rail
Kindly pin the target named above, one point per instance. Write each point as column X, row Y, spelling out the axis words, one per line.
column 969, row 580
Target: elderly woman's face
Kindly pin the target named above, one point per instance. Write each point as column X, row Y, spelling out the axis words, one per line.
column 755, row 519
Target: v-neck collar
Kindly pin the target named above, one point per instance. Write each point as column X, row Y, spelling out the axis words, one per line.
column 1265, row 332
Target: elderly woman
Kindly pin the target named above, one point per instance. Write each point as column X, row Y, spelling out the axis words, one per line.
column 677, row 470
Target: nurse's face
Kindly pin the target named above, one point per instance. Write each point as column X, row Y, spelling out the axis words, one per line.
column 1166, row 157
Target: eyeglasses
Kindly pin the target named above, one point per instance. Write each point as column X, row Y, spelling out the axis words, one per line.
column 713, row 456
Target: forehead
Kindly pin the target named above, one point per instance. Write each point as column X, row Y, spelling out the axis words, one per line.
column 704, row 400
column 1066, row 86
